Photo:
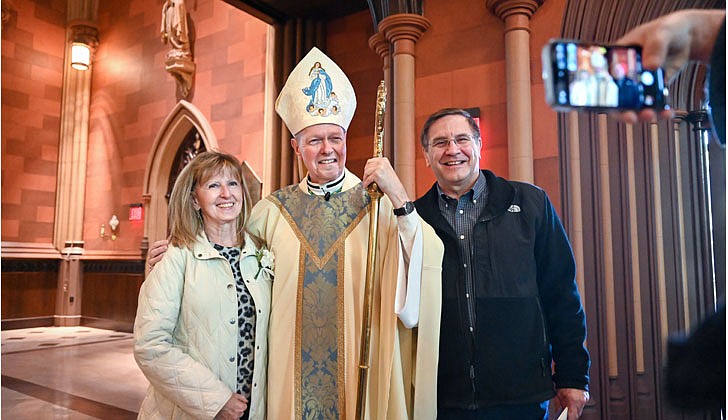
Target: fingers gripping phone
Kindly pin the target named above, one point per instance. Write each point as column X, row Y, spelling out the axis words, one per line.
column 589, row 76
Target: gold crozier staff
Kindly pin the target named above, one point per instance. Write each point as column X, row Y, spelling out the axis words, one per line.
column 375, row 195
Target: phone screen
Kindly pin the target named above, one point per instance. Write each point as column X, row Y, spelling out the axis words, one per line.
column 592, row 76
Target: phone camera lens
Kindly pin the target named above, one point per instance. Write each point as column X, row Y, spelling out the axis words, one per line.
column 562, row 97
column 647, row 78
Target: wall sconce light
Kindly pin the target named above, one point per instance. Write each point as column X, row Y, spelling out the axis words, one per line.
column 80, row 56
column 84, row 40
column 113, row 224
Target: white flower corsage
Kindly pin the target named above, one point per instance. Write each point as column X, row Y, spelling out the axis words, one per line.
column 266, row 261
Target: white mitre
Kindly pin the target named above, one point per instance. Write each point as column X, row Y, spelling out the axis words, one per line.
column 317, row 92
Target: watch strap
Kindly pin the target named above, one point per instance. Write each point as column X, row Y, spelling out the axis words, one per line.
column 408, row 208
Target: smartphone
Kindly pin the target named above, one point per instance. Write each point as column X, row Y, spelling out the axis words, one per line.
column 588, row 76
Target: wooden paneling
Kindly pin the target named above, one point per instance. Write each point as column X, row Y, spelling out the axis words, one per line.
column 109, row 295
column 28, row 292
column 27, row 295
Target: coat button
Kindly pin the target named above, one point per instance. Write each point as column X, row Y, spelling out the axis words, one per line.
column 232, row 320
column 232, row 359
column 230, row 286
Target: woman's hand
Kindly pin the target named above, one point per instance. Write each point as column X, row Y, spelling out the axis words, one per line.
column 233, row 408
column 156, row 252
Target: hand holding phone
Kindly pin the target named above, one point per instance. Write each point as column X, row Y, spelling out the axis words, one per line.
column 589, row 76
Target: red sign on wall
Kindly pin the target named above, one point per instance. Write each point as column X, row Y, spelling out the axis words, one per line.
column 136, row 212
column 475, row 113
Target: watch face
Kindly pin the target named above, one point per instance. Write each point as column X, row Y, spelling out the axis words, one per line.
column 408, row 208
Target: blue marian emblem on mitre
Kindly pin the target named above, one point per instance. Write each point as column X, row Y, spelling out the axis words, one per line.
column 323, row 100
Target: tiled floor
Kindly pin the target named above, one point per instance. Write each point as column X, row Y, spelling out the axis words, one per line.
column 75, row 373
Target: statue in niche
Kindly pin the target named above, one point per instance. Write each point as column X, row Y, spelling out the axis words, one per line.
column 174, row 24
column 175, row 31
column 191, row 146
column 192, row 150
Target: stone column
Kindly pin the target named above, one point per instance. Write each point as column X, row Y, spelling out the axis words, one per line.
column 516, row 14
column 72, row 160
column 403, row 30
column 700, row 126
column 379, row 44
column 684, row 281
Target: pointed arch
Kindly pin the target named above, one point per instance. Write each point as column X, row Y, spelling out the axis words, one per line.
column 183, row 118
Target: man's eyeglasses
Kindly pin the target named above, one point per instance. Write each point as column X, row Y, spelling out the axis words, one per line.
column 461, row 141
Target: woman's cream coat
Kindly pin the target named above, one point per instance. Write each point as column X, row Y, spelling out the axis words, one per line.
column 186, row 333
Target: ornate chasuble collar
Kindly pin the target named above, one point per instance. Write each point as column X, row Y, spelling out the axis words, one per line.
column 321, row 225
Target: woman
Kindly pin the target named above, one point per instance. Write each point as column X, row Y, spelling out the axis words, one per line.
column 201, row 325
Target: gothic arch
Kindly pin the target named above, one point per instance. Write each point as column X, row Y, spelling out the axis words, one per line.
column 183, row 118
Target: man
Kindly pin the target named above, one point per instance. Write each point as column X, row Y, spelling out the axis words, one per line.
column 318, row 231
column 510, row 302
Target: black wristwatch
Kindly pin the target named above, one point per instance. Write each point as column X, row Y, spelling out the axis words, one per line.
column 408, row 208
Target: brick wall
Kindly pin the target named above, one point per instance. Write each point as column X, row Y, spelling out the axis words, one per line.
column 32, row 75
column 133, row 94
column 460, row 62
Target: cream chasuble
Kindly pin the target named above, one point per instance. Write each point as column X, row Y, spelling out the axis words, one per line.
column 315, row 324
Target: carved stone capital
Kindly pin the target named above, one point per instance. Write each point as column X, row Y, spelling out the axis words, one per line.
column 699, row 119
column 679, row 116
column 404, row 27
column 379, row 44
column 506, row 8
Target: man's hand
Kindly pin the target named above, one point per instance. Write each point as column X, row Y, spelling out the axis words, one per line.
column 574, row 400
column 155, row 253
column 670, row 42
column 233, row 409
column 379, row 170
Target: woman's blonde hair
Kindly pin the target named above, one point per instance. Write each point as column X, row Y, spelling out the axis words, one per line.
column 186, row 222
